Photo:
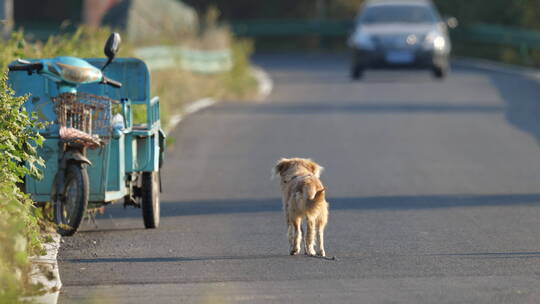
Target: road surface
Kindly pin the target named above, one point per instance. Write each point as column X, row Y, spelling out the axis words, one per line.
column 433, row 189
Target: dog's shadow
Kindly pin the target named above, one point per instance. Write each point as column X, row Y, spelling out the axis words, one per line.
column 187, row 259
column 327, row 258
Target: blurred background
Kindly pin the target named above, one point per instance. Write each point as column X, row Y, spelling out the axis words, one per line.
column 493, row 29
column 456, row 151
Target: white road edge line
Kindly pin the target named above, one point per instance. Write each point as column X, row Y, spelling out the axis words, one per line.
column 265, row 82
column 189, row 109
column 199, row 105
column 265, row 85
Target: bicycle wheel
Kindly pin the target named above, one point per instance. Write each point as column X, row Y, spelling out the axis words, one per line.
column 69, row 211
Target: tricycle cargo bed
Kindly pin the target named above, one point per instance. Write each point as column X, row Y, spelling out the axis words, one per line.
column 135, row 148
column 93, row 152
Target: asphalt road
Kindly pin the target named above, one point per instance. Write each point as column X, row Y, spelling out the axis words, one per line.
column 433, row 189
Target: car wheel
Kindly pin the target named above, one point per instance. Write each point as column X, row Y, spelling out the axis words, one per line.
column 357, row 71
column 439, row 72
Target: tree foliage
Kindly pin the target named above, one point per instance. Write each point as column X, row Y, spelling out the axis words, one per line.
column 521, row 13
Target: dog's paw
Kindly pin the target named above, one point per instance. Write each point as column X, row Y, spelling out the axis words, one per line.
column 310, row 252
column 294, row 252
column 321, row 253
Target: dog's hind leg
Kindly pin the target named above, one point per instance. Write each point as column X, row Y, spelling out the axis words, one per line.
column 321, row 224
column 320, row 233
column 290, row 225
column 297, row 227
column 290, row 235
column 310, row 236
column 304, row 236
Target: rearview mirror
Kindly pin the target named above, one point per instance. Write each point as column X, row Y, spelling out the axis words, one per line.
column 111, row 48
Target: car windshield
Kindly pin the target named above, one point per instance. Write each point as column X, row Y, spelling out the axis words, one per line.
column 397, row 14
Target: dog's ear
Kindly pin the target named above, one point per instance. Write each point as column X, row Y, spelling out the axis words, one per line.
column 315, row 168
column 281, row 166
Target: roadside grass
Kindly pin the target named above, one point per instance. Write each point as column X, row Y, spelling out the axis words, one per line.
column 82, row 43
column 500, row 53
column 177, row 87
column 22, row 225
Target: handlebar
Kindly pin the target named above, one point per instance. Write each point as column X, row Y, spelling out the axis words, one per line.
column 31, row 67
column 38, row 66
column 111, row 82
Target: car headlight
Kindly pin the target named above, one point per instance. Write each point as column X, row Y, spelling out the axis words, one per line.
column 361, row 40
column 434, row 40
column 439, row 43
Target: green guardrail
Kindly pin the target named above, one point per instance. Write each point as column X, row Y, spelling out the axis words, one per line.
column 199, row 61
column 479, row 32
column 522, row 39
column 291, row 27
column 502, row 35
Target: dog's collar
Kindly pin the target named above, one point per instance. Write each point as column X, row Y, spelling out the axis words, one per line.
column 297, row 176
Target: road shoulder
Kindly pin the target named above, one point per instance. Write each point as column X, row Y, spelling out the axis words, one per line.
column 45, row 272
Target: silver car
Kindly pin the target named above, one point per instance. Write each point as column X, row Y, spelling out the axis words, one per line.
column 400, row 33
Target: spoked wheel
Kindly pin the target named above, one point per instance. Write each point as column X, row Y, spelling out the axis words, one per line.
column 150, row 199
column 70, row 210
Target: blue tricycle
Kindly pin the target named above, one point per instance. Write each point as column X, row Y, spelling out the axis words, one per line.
column 94, row 152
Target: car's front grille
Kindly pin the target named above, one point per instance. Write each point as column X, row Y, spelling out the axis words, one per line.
column 395, row 41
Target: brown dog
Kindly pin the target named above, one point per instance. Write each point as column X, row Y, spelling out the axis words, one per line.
column 303, row 197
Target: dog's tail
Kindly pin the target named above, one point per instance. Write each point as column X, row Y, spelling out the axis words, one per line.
column 318, row 197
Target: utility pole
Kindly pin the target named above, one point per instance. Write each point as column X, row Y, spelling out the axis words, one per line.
column 6, row 15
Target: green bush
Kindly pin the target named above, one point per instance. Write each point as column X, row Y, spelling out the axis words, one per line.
column 239, row 81
column 20, row 222
column 19, row 227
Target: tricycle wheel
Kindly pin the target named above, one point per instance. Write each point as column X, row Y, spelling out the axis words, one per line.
column 150, row 199
column 70, row 210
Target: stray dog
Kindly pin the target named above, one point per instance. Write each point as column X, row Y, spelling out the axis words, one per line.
column 303, row 196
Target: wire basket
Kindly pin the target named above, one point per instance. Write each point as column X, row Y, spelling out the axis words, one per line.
column 84, row 118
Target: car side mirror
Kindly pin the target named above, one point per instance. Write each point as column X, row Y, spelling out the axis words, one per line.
column 451, row 22
column 111, row 48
